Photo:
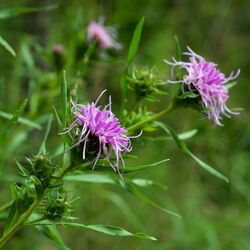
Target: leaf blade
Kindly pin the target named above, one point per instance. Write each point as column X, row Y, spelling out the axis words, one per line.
column 111, row 230
column 135, row 41
column 7, row 46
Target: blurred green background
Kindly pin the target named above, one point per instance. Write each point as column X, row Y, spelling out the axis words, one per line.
column 215, row 215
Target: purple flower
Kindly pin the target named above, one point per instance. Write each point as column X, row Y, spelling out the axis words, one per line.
column 105, row 36
column 100, row 127
column 204, row 78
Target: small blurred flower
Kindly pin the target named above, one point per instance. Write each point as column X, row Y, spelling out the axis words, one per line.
column 100, row 131
column 204, row 78
column 57, row 49
column 58, row 56
column 105, row 36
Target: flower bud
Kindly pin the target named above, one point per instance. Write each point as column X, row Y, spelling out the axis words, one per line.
column 145, row 82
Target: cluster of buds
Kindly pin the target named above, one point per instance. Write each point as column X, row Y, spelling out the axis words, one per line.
column 140, row 114
column 24, row 195
column 42, row 172
column 56, row 206
column 145, row 81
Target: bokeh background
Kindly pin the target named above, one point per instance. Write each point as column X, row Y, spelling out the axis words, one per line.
column 215, row 215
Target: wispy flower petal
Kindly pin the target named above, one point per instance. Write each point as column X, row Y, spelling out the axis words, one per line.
column 100, row 126
column 204, row 78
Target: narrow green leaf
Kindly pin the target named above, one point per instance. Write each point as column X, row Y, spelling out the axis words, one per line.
column 64, row 99
column 11, row 216
column 51, row 232
column 24, row 171
column 94, row 178
column 13, row 12
column 21, row 120
column 59, row 122
column 208, row 168
column 42, row 149
column 129, row 186
column 135, row 41
column 17, row 114
column 123, row 206
column 142, row 167
column 178, row 53
column 7, row 46
column 185, row 150
column 12, row 122
column 111, row 230
column 178, row 56
column 183, row 136
column 108, row 179
column 102, row 165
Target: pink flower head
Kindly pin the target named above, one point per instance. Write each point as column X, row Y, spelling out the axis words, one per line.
column 58, row 49
column 204, row 78
column 105, row 36
column 101, row 127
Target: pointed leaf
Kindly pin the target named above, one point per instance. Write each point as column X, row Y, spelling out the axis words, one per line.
column 129, row 186
column 42, row 149
column 135, row 41
column 51, row 232
column 178, row 53
column 185, row 149
column 111, row 230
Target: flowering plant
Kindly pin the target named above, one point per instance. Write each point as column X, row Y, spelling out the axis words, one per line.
column 93, row 138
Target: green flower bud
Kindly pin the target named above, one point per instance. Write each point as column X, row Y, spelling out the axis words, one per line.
column 144, row 81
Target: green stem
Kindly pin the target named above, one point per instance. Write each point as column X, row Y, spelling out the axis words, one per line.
column 5, row 206
column 140, row 124
column 10, row 232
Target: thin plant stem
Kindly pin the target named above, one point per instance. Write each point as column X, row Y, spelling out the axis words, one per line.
column 5, row 206
column 140, row 124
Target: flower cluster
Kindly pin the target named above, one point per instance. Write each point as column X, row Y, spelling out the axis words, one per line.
column 204, row 78
column 96, row 125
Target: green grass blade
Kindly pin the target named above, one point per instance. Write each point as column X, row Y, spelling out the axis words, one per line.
column 7, row 46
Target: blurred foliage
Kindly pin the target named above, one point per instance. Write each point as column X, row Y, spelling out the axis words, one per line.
column 215, row 215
